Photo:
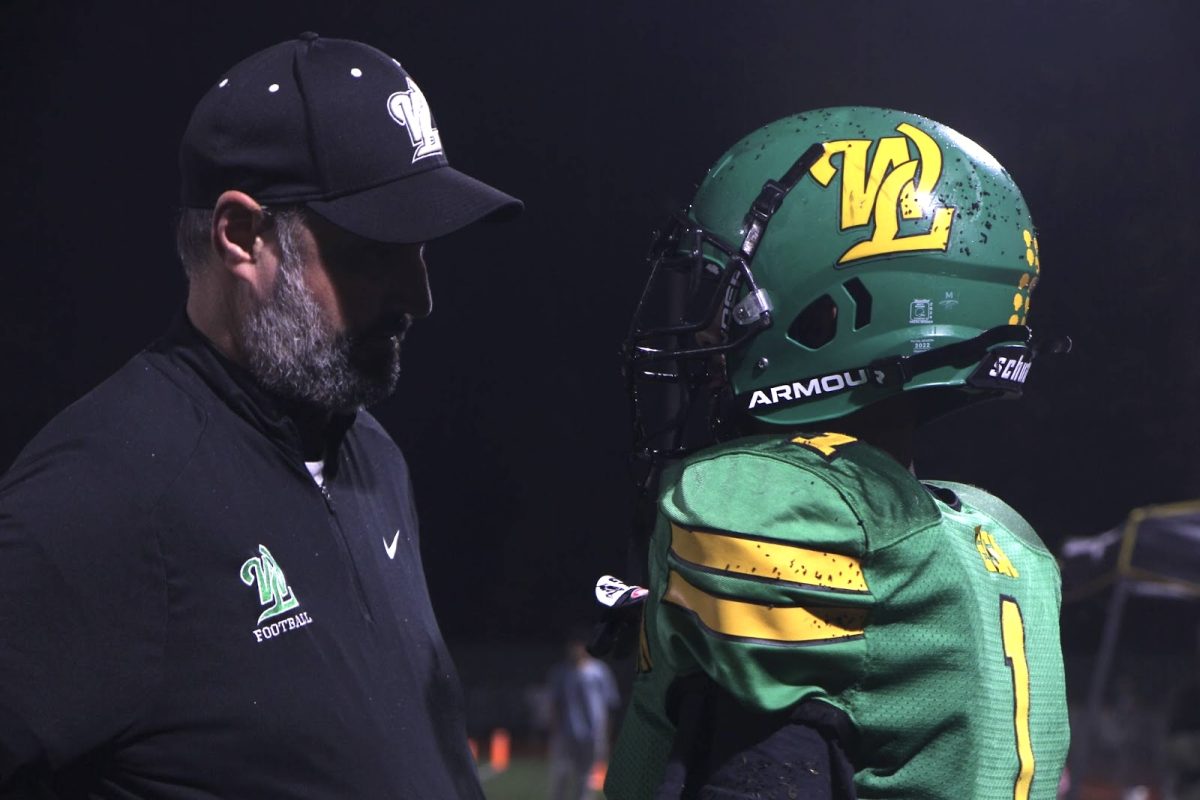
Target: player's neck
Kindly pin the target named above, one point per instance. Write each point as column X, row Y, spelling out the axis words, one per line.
column 897, row 443
column 889, row 426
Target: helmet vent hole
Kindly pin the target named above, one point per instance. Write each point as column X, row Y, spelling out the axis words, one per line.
column 862, row 302
column 816, row 325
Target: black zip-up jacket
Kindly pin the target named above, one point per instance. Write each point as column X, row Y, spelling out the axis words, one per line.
column 184, row 613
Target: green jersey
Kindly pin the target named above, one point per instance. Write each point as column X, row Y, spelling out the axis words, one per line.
column 816, row 567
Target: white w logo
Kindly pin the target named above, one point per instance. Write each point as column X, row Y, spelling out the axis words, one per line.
column 272, row 585
column 411, row 111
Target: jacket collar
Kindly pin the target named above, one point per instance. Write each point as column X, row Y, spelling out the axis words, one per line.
column 288, row 423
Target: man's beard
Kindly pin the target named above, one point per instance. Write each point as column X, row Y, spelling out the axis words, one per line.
column 291, row 350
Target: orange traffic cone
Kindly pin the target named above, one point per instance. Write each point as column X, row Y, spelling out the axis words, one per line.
column 596, row 778
column 500, row 749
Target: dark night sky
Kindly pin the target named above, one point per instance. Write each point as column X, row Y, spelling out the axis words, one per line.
column 603, row 117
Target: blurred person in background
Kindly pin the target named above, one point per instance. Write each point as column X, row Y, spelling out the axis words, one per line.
column 583, row 696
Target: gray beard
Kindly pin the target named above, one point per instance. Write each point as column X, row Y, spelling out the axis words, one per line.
column 291, row 351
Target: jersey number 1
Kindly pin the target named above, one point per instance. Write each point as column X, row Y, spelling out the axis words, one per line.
column 1012, row 630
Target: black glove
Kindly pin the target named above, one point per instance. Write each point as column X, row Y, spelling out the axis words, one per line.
column 617, row 631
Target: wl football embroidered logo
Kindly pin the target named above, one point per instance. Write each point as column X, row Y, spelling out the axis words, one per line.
column 274, row 593
column 993, row 557
column 882, row 189
column 273, row 589
column 411, row 111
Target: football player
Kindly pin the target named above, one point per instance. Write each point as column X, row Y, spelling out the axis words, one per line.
column 821, row 623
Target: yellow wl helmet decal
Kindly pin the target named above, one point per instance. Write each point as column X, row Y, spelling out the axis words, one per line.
column 894, row 186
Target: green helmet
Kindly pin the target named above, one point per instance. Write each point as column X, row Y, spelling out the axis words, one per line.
column 834, row 259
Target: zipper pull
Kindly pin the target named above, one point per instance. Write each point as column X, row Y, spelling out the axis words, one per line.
column 328, row 497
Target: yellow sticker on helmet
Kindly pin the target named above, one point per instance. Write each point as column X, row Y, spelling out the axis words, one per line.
column 893, row 186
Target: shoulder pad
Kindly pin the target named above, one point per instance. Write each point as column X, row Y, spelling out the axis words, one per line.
column 996, row 508
column 819, row 488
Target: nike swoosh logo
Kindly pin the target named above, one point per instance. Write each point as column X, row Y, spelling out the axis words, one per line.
column 391, row 548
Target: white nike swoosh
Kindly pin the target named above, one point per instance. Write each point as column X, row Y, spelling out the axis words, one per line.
column 391, row 548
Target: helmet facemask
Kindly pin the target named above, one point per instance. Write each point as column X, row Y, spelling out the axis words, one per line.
column 682, row 329
column 701, row 302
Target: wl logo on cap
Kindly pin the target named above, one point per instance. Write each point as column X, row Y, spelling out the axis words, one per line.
column 411, row 111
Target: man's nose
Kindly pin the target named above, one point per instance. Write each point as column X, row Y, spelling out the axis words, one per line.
column 409, row 287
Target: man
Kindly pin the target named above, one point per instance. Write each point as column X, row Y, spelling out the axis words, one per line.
column 210, row 580
column 583, row 695
column 819, row 623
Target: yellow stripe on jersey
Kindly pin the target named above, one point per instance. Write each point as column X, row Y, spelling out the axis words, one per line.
column 644, row 663
column 788, row 624
column 771, row 560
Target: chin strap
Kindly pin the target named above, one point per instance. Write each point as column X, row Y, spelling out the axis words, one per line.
column 899, row 370
column 1002, row 367
column 1003, row 354
column 755, row 308
column 771, row 198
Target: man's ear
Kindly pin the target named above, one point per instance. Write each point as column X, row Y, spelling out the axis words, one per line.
column 238, row 223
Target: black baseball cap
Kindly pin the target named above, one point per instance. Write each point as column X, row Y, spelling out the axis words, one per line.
column 339, row 127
